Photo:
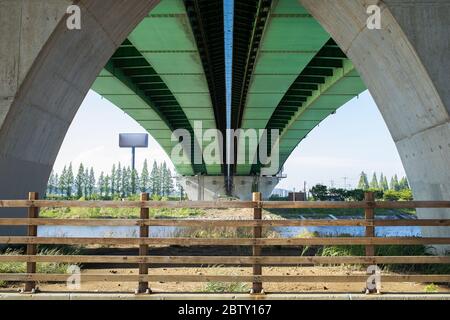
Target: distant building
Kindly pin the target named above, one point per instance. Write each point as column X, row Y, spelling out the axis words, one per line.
column 280, row 192
column 296, row 196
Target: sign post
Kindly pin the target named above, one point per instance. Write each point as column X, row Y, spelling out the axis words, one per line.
column 133, row 141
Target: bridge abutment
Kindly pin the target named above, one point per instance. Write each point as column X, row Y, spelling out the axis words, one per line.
column 405, row 66
column 210, row 188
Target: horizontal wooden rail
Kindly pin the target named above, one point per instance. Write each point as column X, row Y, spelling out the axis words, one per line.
column 353, row 204
column 228, row 241
column 231, row 260
column 225, row 204
column 222, row 223
column 125, row 204
column 222, row 278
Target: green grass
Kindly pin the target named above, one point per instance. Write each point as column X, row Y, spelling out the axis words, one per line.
column 47, row 267
column 389, row 250
column 431, row 288
column 118, row 213
column 292, row 213
column 222, row 232
column 224, row 287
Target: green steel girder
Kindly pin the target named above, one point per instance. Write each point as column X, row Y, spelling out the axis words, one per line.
column 343, row 85
column 173, row 121
column 291, row 39
column 250, row 18
column 172, row 77
column 207, row 21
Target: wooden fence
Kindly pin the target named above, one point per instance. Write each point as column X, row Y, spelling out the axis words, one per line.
column 256, row 260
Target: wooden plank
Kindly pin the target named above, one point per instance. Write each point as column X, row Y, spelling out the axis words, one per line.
column 219, row 223
column 353, row 204
column 369, row 215
column 227, row 241
column 143, row 248
column 33, row 213
column 413, row 222
column 256, row 250
column 312, row 204
column 223, row 204
column 411, row 204
column 221, row 278
column 230, row 260
column 125, row 204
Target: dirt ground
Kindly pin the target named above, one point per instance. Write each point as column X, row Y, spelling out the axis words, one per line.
column 161, row 287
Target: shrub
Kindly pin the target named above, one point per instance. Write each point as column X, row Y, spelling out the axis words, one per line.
column 223, row 287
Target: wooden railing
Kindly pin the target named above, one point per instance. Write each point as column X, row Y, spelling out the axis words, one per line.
column 256, row 242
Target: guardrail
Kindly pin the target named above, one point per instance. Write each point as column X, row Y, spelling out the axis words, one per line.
column 256, row 242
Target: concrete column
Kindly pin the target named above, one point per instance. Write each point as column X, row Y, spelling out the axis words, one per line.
column 46, row 71
column 243, row 186
column 204, row 188
column 405, row 65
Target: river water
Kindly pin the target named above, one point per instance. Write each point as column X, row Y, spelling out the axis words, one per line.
column 167, row 232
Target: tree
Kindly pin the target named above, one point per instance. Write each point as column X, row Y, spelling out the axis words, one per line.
column 394, row 183
column 319, row 192
column 101, row 185
column 125, row 190
column 403, row 184
column 363, row 181
column 56, row 184
column 69, row 181
column 166, row 180
column 62, row 181
column 107, row 188
column 155, row 180
column 80, row 181
column 374, row 182
column 118, row 178
column 51, row 185
column 383, row 183
column 86, row 183
column 91, row 183
column 134, row 181
column 144, row 181
column 113, row 180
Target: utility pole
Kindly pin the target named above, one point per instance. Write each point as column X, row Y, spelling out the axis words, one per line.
column 345, row 182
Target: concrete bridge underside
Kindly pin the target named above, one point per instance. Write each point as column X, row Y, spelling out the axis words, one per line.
column 46, row 71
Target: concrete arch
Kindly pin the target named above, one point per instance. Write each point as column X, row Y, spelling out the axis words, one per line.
column 46, row 71
column 50, row 72
column 405, row 66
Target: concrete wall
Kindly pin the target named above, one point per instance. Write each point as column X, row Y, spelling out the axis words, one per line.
column 210, row 188
column 204, row 188
column 46, row 71
column 243, row 186
column 405, row 65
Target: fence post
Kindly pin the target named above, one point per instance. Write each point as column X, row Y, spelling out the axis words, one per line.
column 369, row 214
column 33, row 212
column 143, row 248
column 257, row 233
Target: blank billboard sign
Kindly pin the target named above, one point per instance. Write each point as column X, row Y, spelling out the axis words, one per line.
column 133, row 140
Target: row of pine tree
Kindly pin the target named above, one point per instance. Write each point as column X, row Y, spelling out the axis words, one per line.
column 381, row 182
column 120, row 182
